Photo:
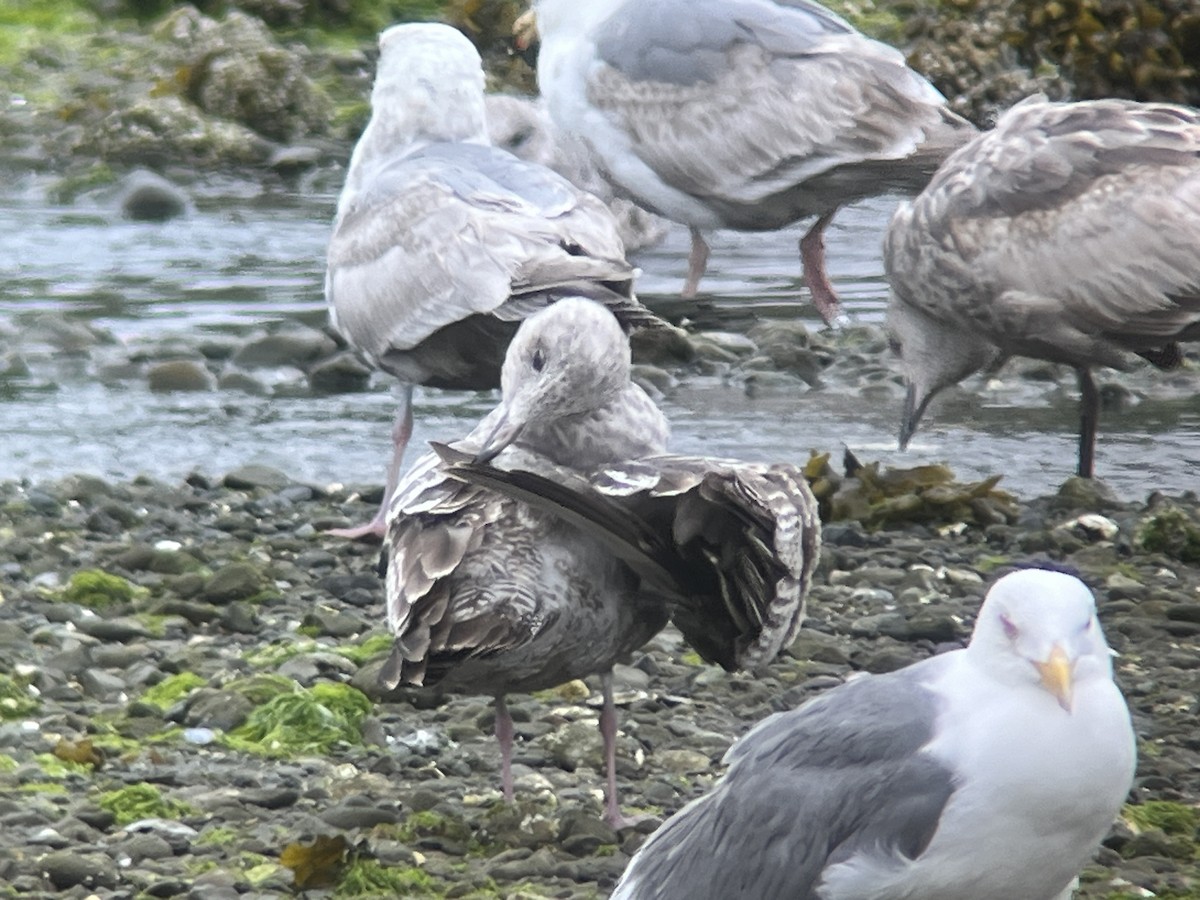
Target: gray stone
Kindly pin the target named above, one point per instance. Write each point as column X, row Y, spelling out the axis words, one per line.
column 236, row 581
column 68, row 868
column 291, row 346
column 246, row 478
column 217, row 709
column 341, row 373
column 148, row 197
column 180, row 375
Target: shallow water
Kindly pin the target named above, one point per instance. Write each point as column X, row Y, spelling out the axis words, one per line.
column 243, row 259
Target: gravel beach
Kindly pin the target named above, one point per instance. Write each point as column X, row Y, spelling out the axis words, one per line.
column 188, row 703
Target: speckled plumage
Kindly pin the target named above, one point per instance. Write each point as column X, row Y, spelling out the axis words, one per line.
column 1069, row 233
column 745, row 114
column 442, row 244
column 491, row 590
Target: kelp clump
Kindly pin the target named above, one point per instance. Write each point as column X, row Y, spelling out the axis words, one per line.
column 878, row 497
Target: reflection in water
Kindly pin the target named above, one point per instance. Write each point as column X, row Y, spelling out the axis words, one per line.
column 238, row 263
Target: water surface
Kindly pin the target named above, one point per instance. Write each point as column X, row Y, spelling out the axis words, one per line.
column 245, row 259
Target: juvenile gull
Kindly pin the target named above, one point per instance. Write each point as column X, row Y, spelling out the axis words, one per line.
column 743, row 114
column 991, row 773
column 487, row 593
column 1069, row 234
column 442, row 243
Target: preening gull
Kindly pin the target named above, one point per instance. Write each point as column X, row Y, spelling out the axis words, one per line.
column 991, row 772
column 442, row 243
column 1069, row 233
column 489, row 593
column 743, row 114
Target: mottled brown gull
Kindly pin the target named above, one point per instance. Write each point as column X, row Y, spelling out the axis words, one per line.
column 442, row 243
column 743, row 114
column 991, row 773
column 1070, row 233
column 491, row 593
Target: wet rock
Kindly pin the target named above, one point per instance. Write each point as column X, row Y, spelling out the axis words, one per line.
column 217, row 709
column 67, row 869
column 167, row 130
column 148, row 197
column 238, row 71
column 247, row 478
column 341, row 373
column 294, row 345
column 180, row 375
column 235, row 581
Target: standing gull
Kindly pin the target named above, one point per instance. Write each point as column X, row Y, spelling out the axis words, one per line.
column 991, row 773
column 1070, row 233
column 442, row 243
column 744, row 114
column 487, row 593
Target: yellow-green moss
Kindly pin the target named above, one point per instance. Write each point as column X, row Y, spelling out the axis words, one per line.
column 172, row 689
column 303, row 721
column 367, row 878
column 15, row 700
column 142, row 801
column 98, row 589
column 367, row 649
column 1171, row 818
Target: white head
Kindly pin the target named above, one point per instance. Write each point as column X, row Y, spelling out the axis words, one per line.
column 568, row 359
column 1039, row 628
column 933, row 354
column 428, row 88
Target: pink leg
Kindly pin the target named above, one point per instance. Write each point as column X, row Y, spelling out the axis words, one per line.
column 401, row 432
column 504, row 734
column 608, row 730
column 812, row 263
column 697, row 263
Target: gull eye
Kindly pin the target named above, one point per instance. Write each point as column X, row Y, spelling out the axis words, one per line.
column 896, row 348
column 1086, row 626
column 1010, row 630
column 538, row 360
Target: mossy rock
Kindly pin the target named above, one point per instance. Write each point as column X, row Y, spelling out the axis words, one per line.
column 15, row 700
column 1171, row 531
column 142, row 801
column 172, row 689
column 98, row 589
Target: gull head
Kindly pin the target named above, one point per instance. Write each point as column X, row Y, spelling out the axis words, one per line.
column 429, row 81
column 1039, row 628
column 565, row 361
column 933, row 354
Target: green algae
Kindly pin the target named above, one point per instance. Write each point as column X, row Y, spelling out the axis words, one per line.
column 15, row 700
column 7, row 763
column 172, row 689
column 367, row 649
column 217, row 836
column 1172, row 818
column 261, row 688
column 368, row 878
column 301, row 721
column 142, row 801
column 54, row 767
column 97, row 589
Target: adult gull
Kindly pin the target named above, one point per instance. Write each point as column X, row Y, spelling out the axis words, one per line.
column 1069, row 233
column 743, row 114
column 442, row 243
column 489, row 593
column 990, row 772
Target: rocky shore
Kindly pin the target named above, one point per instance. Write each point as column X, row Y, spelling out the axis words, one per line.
column 188, row 704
